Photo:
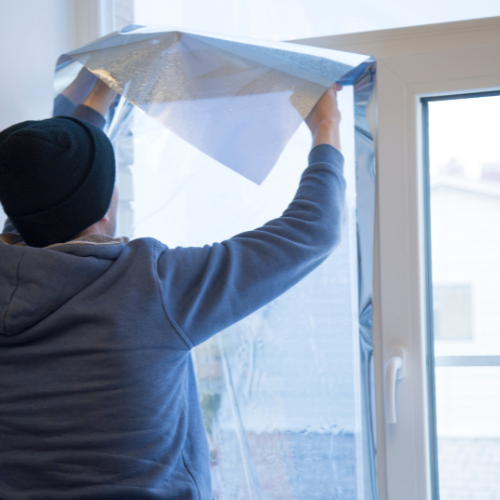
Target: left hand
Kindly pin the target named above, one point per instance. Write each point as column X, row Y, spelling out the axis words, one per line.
column 100, row 97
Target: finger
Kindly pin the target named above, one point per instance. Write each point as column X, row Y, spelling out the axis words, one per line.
column 332, row 91
column 337, row 86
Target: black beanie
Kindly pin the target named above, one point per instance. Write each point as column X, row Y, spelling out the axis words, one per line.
column 56, row 178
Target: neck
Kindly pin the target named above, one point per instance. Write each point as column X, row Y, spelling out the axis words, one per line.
column 97, row 228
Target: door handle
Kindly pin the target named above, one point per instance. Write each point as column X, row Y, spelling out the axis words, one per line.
column 395, row 370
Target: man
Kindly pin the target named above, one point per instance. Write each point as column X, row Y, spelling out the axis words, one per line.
column 98, row 397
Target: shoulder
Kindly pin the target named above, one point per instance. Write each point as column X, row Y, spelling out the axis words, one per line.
column 144, row 243
column 145, row 246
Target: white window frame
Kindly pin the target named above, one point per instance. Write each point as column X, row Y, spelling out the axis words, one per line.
column 416, row 62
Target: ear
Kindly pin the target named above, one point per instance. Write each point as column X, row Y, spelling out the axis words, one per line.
column 105, row 218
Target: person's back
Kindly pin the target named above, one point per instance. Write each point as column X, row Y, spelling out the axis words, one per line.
column 98, row 398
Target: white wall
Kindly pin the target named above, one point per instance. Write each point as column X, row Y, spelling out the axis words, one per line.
column 33, row 34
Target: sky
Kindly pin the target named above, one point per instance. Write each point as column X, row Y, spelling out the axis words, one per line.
column 467, row 130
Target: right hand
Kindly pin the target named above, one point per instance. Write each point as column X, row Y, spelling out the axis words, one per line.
column 324, row 119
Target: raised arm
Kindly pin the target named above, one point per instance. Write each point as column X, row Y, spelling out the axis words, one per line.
column 66, row 102
column 96, row 104
column 207, row 289
column 324, row 119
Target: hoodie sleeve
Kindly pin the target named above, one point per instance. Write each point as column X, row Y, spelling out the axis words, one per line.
column 89, row 114
column 64, row 107
column 207, row 289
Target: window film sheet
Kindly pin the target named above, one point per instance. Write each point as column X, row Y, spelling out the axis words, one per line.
column 239, row 102
column 365, row 121
column 285, row 393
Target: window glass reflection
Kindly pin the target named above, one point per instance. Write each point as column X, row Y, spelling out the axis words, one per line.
column 280, row 391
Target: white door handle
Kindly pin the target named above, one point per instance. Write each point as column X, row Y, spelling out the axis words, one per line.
column 395, row 369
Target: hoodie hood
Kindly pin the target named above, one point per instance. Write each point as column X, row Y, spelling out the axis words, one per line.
column 36, row 282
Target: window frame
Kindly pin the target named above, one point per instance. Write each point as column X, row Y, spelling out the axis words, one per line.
column 412, row 63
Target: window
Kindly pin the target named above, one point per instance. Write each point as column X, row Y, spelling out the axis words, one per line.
column 416, row 63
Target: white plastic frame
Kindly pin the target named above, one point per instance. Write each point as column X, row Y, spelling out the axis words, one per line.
column 442, row 59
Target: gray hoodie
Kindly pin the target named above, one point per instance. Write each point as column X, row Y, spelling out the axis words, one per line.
column 98, row 397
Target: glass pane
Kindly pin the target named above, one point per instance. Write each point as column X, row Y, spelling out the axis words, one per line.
column 295, row 19
column 280, row 391
column 464, row 161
